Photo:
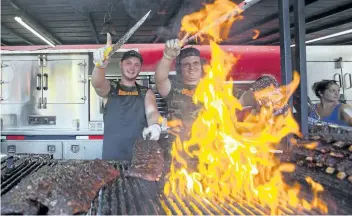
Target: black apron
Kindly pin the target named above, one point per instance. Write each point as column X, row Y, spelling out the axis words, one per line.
column 124, row 121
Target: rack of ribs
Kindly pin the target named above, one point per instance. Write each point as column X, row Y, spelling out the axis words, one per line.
column 66, row 188
column 147, row 161
column 331, row 132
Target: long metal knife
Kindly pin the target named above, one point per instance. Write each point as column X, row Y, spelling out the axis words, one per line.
column 127, row 36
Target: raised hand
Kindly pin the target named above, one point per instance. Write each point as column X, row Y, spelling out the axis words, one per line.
column 100, row 56
column 172, row 49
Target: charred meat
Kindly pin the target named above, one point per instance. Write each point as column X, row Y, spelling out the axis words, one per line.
column 324, row 148
column 147, row 161
column 301, row 153
column 321, row 159
column 66, row 188
column 330, row 133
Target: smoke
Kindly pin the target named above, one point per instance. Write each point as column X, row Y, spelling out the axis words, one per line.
column 173, row 28
column 90, row 5
column 136, row 9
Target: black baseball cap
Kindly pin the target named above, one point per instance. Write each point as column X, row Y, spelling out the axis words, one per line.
column 132, row 53
column 189, row 51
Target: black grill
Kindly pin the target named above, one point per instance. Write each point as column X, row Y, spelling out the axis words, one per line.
column 140, row 197
column 20, row 167
column 136, row 196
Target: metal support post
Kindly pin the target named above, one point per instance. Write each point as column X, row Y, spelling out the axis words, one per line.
column 301, row 65
column 285, row 42
column 285, row 50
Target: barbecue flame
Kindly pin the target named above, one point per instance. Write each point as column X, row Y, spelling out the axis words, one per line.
column 209, row 17
column 235, row 159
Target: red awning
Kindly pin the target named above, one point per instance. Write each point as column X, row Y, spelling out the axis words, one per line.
column 253, row 60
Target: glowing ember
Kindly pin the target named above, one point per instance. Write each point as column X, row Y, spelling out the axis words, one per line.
column 312, row 145
column 256, row 34
column 235, row 159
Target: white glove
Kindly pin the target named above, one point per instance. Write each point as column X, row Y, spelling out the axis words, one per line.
column 172, row 49
column 153, row 130
column 100, row 56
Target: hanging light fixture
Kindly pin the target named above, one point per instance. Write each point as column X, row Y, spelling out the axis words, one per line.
column 20, row 21
column 349, row 31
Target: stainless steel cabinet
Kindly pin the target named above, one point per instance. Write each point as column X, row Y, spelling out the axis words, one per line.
column 347, row 79
column 33, row 147
column 44, row 91
column 95, row 105
column 82, row 149
column 60, row 149
column 63, row 80
column 47, row 79
column 20, row 79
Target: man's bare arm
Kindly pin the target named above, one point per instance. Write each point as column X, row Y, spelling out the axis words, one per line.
column 162, row 81
column 171, row 51
column 99, row 82
column 151, row 109
column 100, row 60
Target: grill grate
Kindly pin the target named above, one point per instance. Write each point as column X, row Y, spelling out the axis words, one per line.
column 129, row 196
column 338, row 193
column 22, row 166
column 140, row 197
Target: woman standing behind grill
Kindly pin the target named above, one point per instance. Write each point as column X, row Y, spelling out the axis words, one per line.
column 330, row 109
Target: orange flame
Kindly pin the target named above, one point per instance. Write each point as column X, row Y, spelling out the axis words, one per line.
column 256, row 34
column 212, row 13
column 235, row 159
column 317, row 203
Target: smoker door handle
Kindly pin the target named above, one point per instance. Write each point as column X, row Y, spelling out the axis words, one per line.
column 44, row 60
column 39, row 81
column 45, row 80
column 40, row 102
column 339, row 78
column 45, row 101
column 349, row 80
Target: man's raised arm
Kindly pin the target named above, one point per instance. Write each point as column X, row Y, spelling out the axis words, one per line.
column 171, row 51
column 99, row 82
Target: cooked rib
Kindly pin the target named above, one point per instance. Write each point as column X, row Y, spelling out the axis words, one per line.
column 66, row 188
column 147, row 161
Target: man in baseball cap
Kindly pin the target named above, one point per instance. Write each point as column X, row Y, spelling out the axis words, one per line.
column 130, row 110
column 132, row 53
column 178, row 92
